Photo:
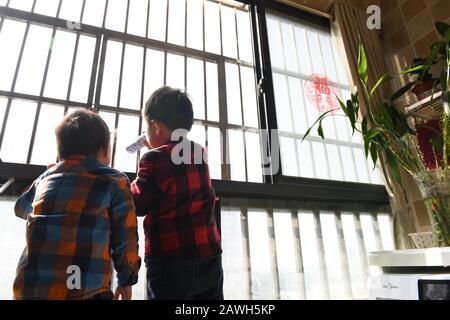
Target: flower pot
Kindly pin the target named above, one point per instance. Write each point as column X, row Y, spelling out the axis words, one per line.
column 423, row 89
column 435, row 189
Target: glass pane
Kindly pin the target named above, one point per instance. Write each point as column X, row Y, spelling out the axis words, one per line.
column 130, row 96
column 314, row 278
column 11, row 37
column 195, row 24
column 94, row 10
column 356, row 256
column 110, row 119
column 289, row 47
column 176, row 22
column 47, row 7
column 297, row 104
column 337, row 284
column 157, row 20
column 302, row 51
column 305, row 159
column 282, row 103
column 249, row 97
column 137, row 17
column 237, row 155
column 328, row 57
column 116, row 15
column 215, row 153
column 369, row 233
column 361, row 165
column 110, row 85
column 253, row 151
column 263, row 282
column 24, row 5
column 334, row 162
column 57, row 82
column 175, row 71
column 83, row 68
column 3, row 102
column 316, row 53
column 33, row 60
column 386, row 231
column 275, row 44
column 18, row 131
column 233, row 256
column 244, row 36
column 349, row 168
column 288, row 157
column 195, row 86
column 44, row 148
column 71, row 10
column 341, row 70
column 320, row 160
column 233, row 94
column 154, row 72
column 127, row 131
column 212, row 27
column 229, row 43
column 212, row 91
column 290, row 279
column 197, row 134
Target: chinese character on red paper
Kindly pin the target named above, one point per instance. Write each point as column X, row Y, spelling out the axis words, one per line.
column 320, row 93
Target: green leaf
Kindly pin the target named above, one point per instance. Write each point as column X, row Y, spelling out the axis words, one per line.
column 394, row 167
column 364, row 126
column 374, row 154
column 368, row 138
column 415, row 69
column 343, row 106
column 320, row 130
column 444, row 83
column 402, row 91
column 362, row 64
column 380, row 81
column 315, row 122
column 352, row 114
column 443, row 29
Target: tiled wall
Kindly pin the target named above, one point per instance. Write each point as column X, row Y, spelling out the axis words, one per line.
column 408, row 31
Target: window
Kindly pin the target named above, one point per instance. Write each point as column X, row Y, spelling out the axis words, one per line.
column 307, row 73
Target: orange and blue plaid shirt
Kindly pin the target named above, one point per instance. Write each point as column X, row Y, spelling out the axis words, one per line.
column 79, row 213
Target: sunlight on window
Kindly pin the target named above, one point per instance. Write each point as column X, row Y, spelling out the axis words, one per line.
column 157, row 20
column 212, row 91
column 212, row 27
column 305, row 159
column 16, row 140
column 110, row 85
column 130, row 96
column 47, row 7
column 44, row 148
column 11, row 36
column 288, row 156
column 175, row 71
column 229, row 43
column 93, row 12
column 71, row 10
column 57, row 82
column 176, row 22
column 253, row 152
column 195, row 86
column 34, row 59
column 287, row 34
column 244, row 36
column 3, row 102
column 198, row 135
column 233, row 93
column 25, row 5
column 215, row 153
column 127, row 131
column 194, row 24
column 154, row 72
column 249, row 97
column 116, row 15
column 83, row 68
column 237, row 155
column 137, row 17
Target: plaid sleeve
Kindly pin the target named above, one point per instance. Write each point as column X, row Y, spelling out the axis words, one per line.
column 143, row 187
column 124, row 236
column 23, row 204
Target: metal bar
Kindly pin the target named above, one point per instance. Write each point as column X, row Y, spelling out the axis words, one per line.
column 94, row 70
column 24, row 96
column 6, row 185
column 223, row 120
column 105, row 13
column 298, row 253
column 273, row 252
column 246, row 251
column 321, row 254
column 72, row 68
column 362, row 242
column 344, row 256
column 100, row 72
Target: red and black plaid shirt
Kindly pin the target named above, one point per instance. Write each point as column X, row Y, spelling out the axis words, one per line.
column 177, row 201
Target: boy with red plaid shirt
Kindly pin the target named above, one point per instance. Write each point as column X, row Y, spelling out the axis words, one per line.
column 174, row 192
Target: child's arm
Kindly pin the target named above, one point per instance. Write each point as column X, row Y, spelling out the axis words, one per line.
column 143, row 187
column 124, row 236
column 23, row 204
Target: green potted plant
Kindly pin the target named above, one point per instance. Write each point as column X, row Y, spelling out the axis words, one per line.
column 424, row 80
column 390, row 133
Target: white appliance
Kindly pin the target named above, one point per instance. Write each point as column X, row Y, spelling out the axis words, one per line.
column 422, row 274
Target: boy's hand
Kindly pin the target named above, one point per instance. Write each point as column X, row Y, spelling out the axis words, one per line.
column 51, row 165
column 123, row 292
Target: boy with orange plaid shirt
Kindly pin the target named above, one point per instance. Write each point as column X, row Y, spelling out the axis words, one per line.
column 80, row 215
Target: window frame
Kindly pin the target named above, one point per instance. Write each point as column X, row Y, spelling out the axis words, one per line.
column 275, row 185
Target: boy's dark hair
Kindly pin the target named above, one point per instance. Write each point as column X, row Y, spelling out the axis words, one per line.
column 82, row 132
column 170, row 106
